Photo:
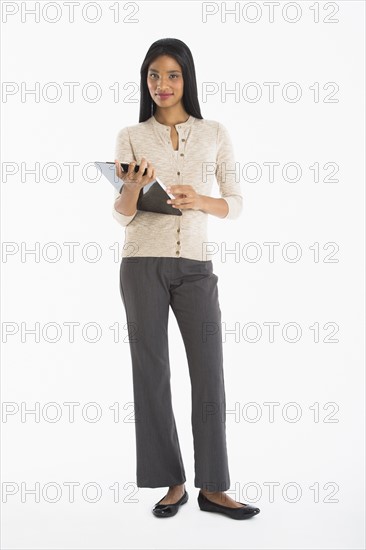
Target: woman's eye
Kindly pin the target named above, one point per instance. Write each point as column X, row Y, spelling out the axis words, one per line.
column 153, row 75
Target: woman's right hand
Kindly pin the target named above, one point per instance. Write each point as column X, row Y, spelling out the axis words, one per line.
column 135, row 180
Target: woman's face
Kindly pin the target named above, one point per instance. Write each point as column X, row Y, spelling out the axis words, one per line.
column 165, row 81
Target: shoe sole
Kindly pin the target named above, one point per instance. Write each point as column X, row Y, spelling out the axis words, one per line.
column 228, row 514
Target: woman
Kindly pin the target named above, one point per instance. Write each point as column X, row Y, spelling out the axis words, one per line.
column 165, row 263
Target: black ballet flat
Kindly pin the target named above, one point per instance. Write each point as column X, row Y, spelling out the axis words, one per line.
column 245, row 512
column 169, row 510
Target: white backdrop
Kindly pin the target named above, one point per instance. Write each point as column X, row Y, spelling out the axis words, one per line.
column 293, row 321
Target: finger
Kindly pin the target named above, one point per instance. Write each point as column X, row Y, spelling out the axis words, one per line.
column 119, row 170
column 142, row 165
column 150, row 170
column 181, row 202
column 131, row 169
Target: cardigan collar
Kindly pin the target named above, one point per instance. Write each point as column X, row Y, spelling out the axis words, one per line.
column 182, row 125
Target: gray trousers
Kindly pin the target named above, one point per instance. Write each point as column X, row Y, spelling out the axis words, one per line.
column 148, row 286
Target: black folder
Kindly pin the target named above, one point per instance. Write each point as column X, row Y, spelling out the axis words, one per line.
column 152, row 197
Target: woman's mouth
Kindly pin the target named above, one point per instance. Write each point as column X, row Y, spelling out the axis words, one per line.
column 164, row 96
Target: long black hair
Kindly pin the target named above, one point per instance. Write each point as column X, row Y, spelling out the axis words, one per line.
column 182, row 54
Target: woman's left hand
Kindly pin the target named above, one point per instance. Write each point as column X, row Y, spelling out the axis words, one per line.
column 185, row 197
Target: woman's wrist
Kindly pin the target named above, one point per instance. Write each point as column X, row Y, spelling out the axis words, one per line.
column 211, row 205
column 127, row 201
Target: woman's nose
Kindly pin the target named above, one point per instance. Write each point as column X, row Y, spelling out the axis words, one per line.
column 162, row 83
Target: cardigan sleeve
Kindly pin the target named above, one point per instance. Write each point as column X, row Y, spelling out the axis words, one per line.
column 226, row 174
column 123, row 153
